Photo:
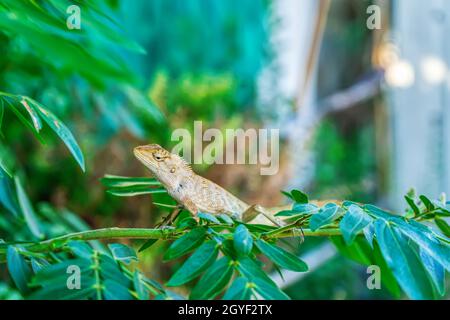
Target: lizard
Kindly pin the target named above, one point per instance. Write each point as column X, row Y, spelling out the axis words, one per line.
column 198, row 194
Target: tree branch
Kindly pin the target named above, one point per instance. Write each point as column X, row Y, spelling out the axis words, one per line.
column 144, row 233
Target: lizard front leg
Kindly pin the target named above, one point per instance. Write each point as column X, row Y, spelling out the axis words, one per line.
column 191, row 207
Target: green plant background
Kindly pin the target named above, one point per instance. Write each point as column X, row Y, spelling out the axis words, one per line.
column 74, row 103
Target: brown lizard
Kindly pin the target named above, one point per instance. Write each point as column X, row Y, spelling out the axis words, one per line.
column 197, row 194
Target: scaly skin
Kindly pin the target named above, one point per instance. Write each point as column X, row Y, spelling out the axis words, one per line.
column 198, row 194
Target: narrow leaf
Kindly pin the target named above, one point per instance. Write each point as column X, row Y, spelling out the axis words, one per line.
column 208, row 217
column 443, row 226
column 281, row 257
column 33, row 114
column 427, row 202
column 325, row 216
column 27, row 210
column 435, row 270
column 147, row 244
column 413, row 205
column 135, row 191
column 186, row 243
column 122, row 252
column 141, row 289
column 353, row 222
column 62, row 131
column 120, row 181
column 201, row 259
column 18, row 268
column 214, row 280
column 239, row 290
column 403, row 261
column 115, row 291
column 268, row 292
column 299, row 196
column 242, row 239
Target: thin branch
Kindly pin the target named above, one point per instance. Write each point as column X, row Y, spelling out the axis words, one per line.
column 143, row 233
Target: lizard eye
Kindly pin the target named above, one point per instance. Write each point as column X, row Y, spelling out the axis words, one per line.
column 157, row 157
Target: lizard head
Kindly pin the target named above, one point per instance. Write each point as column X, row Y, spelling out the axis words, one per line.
column 166, row 166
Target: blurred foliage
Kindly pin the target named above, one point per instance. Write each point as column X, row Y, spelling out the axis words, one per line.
column 344, row 156
column 185, row 43
column 195, row 60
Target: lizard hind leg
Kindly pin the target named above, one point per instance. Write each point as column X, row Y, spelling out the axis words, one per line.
column 258, row 215
column 167, row 221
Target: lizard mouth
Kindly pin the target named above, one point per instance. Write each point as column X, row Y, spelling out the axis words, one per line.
column 142, row 155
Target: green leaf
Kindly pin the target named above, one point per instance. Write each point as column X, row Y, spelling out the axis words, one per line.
column 37, row 264
column 8, row 196
column 369, row 233
column 325, row 216
column 403, row 261
column 4, row 170
column 387, row 277
column 18, row 268
column 299, row 196
column 287, row 194
column 240, row 289
column 267, row 291
column 248, row 268
column 186, row 243
column 226, row 246
column 435, row 270
column 298, row 209
column 122, row 252
column 359, row 250
column 57, row 273
column 353, row 222
column 141, row 289
column 242, row 239
column 281, row 257
column 110, row 180
column 61, row 130
column 154, row 284
column 12, row 104
column 214, row 280
column 27, row 210
column 2, row 113
column 109, row 269
column 169, row 295
column 80, row 249
column 201, row 259
column 413, row 205
column 427, row 202
column 427, row 240
column 419, row 233
column 59, row 291
column 147, row 244
column 186, row 223
column 443, row 226
column 115, row 291
column 208, row 217
column 135, row 191
column 33, row 114
column 226, row 219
